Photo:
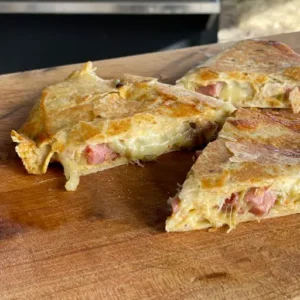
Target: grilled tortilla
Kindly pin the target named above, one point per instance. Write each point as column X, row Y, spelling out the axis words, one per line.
column 249, row 173
column 89, row 124
column 252, row 73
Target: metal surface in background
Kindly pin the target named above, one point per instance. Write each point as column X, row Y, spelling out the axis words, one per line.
column 112, row 7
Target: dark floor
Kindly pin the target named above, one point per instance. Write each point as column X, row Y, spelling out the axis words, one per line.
column 37, row 41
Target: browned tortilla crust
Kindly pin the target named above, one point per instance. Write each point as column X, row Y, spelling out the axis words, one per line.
column 251, row 73
column 253, row 56
column 246, row 139
column 255, row 149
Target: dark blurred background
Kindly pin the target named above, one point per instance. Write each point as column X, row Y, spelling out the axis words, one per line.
column 35, row 34
column 45, row 33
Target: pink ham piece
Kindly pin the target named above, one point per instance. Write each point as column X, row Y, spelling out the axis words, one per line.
column 260, row 200
column 213, row 90
column 231, row 202
column 287, row 93
column 175, row 204
column 97, row 154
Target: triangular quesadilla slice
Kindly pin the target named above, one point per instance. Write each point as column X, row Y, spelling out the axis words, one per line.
column 251, row 172
column 89, row 124
column 251, row 73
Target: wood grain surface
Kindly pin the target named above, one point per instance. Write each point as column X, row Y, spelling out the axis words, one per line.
column 107, row 239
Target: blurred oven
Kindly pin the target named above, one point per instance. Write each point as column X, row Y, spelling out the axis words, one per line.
column 37, row 34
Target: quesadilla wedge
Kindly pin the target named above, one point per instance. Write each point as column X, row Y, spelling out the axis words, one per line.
column 249, row 173
column 252, row 73
column 89, row 124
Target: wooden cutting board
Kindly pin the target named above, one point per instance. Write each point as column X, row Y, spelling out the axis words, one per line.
column 107, row 239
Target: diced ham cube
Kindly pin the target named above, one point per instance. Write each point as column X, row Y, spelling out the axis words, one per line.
column 175, row 204
column 260, row 200
column 287, row 92
column 213, row 90
column 97, row 154
column 231, row 202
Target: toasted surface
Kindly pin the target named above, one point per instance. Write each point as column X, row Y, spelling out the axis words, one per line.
column 246, row 155
column 254, row 73
column 256, row 56
column 90, row 124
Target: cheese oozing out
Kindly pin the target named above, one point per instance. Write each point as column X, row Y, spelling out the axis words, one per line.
column 153, row 144
column 232, row 91
column 236, row 92
column 142, row 145
column 243, row 93
column 195, row 208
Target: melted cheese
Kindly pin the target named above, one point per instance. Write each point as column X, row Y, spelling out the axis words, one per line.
column 142, row 144
column 237, row 92
column 155, row 143
column 200, row 214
